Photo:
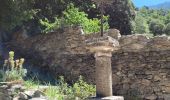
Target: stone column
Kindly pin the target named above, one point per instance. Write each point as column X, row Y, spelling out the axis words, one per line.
column 103, row 47
column 103, row 73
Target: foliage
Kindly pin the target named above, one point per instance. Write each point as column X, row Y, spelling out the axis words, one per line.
column 17, row 13
column 167, row 29
column 71, row 17
column 50, row 26
column 141, row 25
column 36, row 16
column 53, row 93
column 80, row 89
column 12, row 69
column 31, row 84
column 14, row 12
column 14, row 75
column 152, row 21
column 156, row 27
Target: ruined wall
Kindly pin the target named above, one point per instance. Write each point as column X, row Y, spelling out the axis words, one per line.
column 140, row 67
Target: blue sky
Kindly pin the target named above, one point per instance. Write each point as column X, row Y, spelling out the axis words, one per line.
column 140, row 3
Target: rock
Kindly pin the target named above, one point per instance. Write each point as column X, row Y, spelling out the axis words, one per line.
column 29, row 92
column 16, row 98
column 3, row 87
column 38, row 93
column 114, row 33
column 23, row 96
column 109, row 98
column 133, row 42
column 159, row 43
column 40, row 98
column 157, row 78
column 151, row 97
column 166, row 97
column 145, row 82
column 5, row 96
column 17, row 86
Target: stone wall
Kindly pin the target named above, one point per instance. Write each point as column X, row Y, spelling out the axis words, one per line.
column 141, row 67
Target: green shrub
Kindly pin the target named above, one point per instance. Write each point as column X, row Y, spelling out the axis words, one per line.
column 72, row 16
column 50, row 26
column 13, row 75
column 167, row 29
column 12, row 69
column 82, row 89
column 53, row 93
column 141, row 25
column 63, row 91
column 31, row 84
column 156, row 27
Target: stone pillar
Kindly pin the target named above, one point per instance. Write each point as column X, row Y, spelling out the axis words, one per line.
column 103, row 73
column 103, row 47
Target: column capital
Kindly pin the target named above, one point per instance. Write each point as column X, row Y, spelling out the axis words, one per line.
column 102, row 44
column 103, row 54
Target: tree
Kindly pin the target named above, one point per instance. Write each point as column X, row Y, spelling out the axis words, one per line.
column 167, row 29
column 167, row 18
column 14, row 12
column 141, row 25
column 156, row 27
column 73, row 16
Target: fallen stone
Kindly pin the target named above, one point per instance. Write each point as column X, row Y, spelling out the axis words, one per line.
column 30, row 93
column 5, row 97
column 151, row 97
column 16, row 98
column 17, row 86
column 23, row 96
column 40, row 98
column 38, row 93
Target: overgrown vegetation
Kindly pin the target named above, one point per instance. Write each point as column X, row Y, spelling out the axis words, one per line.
column 79, row 89
column 37, row 16
column 12, row 70
column 73, row 16
column 152, row 21
column 63, row 91
column 14, row 13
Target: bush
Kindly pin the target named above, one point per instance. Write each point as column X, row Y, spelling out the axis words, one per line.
column 12, row 69
column 141, row 25
column 73, row 16
column 50, row 26
column 167, row 29
column 80, row 89
column 53, row 93
column 156, row 27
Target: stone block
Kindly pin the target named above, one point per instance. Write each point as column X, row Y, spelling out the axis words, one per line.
column 108, row 98
column 151, row 97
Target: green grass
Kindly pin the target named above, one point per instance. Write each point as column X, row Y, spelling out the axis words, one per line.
column 53, row 93
column 30, row 84
column 62, row 90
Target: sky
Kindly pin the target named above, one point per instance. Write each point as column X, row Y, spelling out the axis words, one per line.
column 140, row 3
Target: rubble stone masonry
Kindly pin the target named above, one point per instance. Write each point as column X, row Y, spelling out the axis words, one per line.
column 140, row 68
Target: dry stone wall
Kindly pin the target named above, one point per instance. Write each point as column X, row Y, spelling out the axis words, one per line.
column 141, row 67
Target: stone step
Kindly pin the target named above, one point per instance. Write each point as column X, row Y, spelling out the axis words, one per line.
column 109, row 98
